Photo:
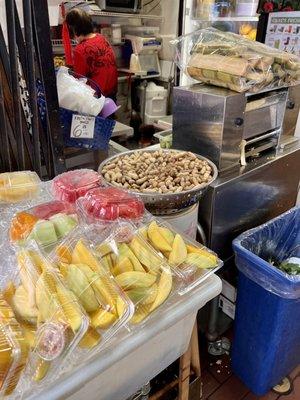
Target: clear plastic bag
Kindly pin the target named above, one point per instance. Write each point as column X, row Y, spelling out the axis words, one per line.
column 190, row 260
column 46, row 224
column 71, row 185
column 76, row 95
column 260, row 250
column 229, row 60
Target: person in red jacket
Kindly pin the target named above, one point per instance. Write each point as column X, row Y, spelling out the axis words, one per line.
column 93, row 56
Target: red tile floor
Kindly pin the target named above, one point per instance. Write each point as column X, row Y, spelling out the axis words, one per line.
column 220, row 384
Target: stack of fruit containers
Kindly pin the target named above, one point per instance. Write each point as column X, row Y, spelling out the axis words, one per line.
column 80, row 280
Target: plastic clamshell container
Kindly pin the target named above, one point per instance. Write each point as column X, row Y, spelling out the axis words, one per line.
column 109, row 204
column 190, row 260
column 50, row 315
column 138, row 269
column 138, row 356
column 46, row 224
column 13, row 350
column 18, row 186
column 273, row 330
column 86, row 276
column 71, row 185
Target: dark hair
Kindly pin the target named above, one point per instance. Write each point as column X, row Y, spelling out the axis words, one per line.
column 79, row 22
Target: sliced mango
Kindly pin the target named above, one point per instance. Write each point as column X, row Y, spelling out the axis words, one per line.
column 202, row 252
column 135, row 279
column 144, row 254
column 179, row 251
column 124, row 265
column 157, row 239
column 200, row 260
column 90, row 339
column 164, row 288
column 102, row 319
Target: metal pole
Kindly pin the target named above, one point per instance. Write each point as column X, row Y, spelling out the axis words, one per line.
column 11, row 33
column 29, row 42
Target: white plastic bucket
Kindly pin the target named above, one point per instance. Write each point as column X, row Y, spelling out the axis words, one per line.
column 185, row 221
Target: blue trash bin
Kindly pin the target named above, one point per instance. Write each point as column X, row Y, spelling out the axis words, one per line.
column 266, row 345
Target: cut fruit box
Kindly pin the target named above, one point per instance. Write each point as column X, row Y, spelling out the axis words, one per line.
column 18, row 186
column 45, row 223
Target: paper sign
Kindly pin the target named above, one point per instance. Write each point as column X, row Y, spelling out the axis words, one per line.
column 82, row 127
column 283, row 31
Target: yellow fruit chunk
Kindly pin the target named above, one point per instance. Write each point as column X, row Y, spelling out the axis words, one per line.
column 144, row 233
column 202, row 252
column 157, row 239
column 179, row 251
column 121, row 307
column 143, row 295
column 71, row 309
column 22, row 307
column 145, row 254
column 124, row 265
column 104, row 249
column 140, row 314
column 135, row 279
column 90, row 339
column 82, row 255
column 164, row 288
column 64, row 254
column 101, row 286
column 29, row 275
column 252, row 34
column 167, row 234
column 8, row 292
column 102, row 319
column 29, row 334
column 126, row 251
column 200, row 261
column 41, row 370
column 81, row 286
column 245, row 29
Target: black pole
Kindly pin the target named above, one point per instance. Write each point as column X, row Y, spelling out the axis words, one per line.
column 31, row 82
column 11, row 34
column 4, row 143
column 44, row 50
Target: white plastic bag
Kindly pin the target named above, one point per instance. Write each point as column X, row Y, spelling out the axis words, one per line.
column 76, row 95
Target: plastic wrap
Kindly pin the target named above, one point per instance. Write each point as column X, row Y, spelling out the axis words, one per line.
column 109, row 204
column 192, row 261
column 13, row 350
column 92, row 283
column 259, row 250
column 229, row 60
column 18, row 186
column 45, row 223
column 138, row 269
column 71, row 185
column 53, row 322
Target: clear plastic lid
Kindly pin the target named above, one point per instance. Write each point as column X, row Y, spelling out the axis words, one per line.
column 53, row 322
column 45, row 223
column 138, row 269
column 93, row 285
column 18, row 186
column 109, row 204
column 71, row 185
column 190, row 260
column 13, row 349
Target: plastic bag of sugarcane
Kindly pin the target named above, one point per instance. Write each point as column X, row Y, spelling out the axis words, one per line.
column 229, row 60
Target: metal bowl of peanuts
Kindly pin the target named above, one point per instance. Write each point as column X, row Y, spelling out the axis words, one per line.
column 166, row 180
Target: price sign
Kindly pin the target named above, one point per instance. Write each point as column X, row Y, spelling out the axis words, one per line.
column 82, row 127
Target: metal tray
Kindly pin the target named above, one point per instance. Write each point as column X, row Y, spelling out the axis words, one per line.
column 169, row 203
